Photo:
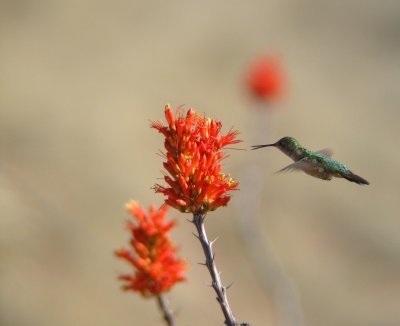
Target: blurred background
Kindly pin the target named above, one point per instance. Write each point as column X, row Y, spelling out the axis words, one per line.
column 80, row 82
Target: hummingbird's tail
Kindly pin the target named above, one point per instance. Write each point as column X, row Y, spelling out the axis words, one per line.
column 355, row 178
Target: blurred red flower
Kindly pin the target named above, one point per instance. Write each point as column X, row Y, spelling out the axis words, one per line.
column 193, row 160
column 265, row 78
column 152, row 253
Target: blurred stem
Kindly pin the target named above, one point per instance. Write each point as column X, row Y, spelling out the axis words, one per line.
column 168, row 316
column 220, row 290
column 269, row 270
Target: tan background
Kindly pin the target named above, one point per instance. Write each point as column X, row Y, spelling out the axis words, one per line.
column 79, row 82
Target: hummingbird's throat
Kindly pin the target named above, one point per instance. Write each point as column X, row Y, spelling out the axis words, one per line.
column 294, row 153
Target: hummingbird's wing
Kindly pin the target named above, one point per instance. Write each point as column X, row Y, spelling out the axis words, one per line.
column 308, row 166
column 326, row 152
column 301, row 165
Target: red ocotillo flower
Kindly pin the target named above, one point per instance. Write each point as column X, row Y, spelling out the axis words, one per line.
column 152, row 253
column 265, row 79
column 195, row 182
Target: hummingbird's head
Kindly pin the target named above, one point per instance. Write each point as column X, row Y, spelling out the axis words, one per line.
column 287, row 144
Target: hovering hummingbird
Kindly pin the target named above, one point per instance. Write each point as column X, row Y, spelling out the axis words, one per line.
column 318, row 164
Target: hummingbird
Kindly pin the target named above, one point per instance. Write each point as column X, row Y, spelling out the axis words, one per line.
column 318, row 164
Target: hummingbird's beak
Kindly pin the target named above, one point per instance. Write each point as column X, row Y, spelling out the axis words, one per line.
column 261, row 146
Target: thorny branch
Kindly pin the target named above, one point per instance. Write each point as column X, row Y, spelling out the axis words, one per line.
column 220, row 290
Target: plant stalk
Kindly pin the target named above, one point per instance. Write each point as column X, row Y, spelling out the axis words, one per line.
column 220, row 290
column 168, row 315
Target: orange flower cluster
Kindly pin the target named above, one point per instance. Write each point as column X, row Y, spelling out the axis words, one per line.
column 265, row 79
column 157, row 268
column 193, row 160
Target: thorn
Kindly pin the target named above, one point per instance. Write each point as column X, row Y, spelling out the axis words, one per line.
column 229, row 286
column 202, row 217
column 213, row 257
column 202, row 264
column 195, row 235
column 212, row 242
